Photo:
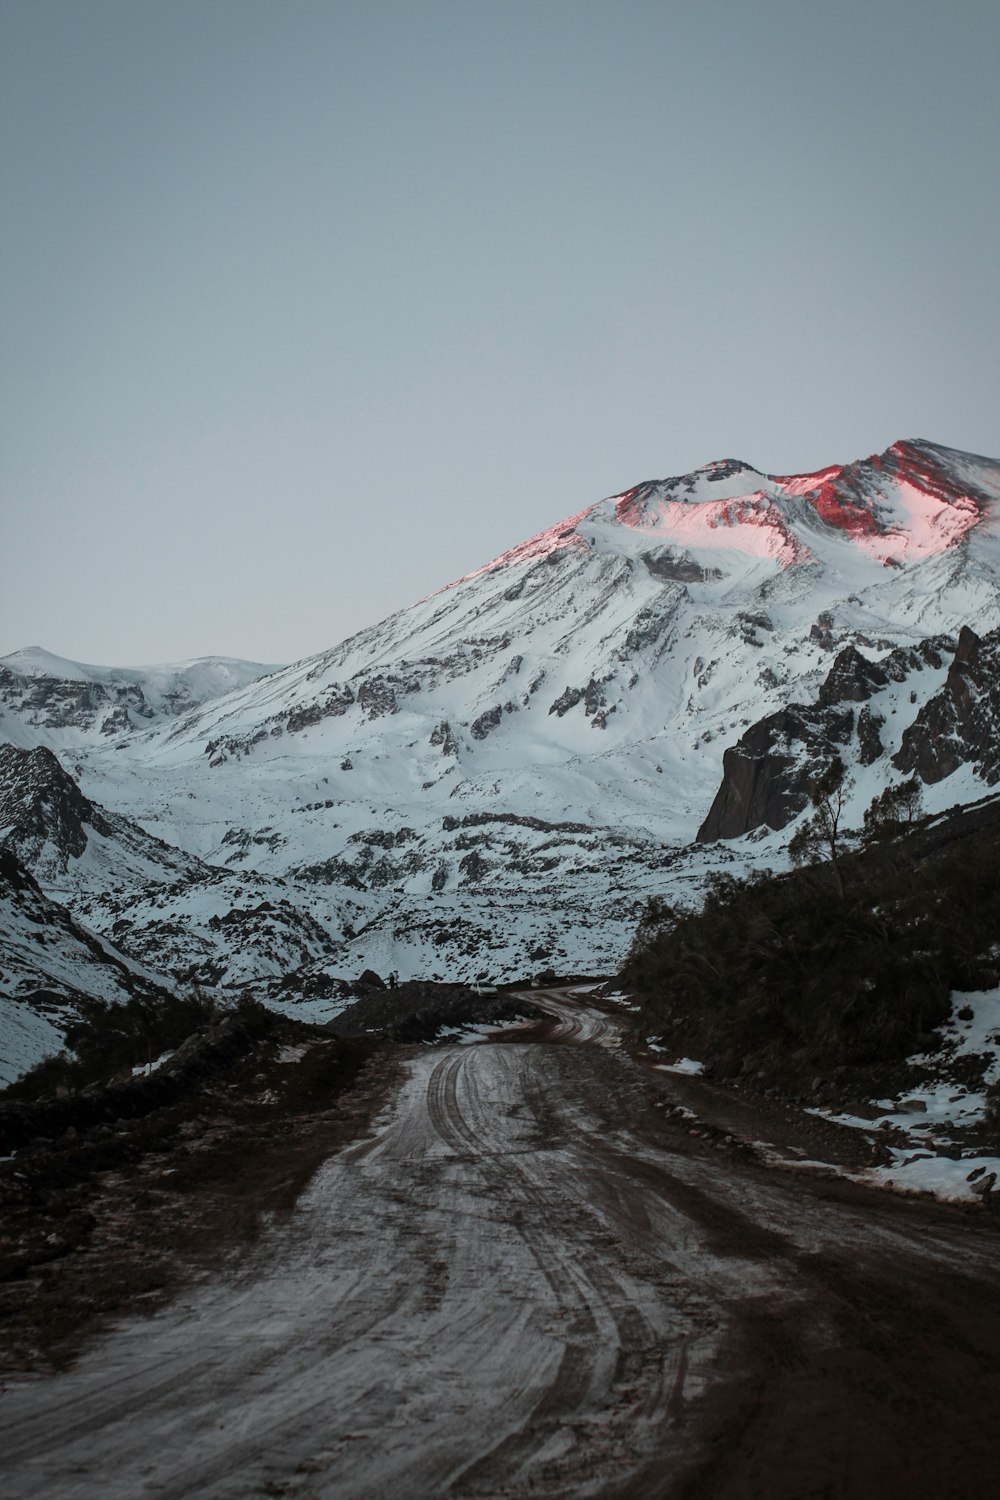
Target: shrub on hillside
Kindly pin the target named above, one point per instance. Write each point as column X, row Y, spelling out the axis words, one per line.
column 819, row 968
column 106, row 1038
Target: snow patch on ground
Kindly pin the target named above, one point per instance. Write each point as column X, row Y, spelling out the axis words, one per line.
column 933, row 1118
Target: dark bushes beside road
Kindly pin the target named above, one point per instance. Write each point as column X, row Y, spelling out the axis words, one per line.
column 783, row 977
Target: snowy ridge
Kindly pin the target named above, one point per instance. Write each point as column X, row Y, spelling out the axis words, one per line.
column 49, row 962
column 500, row 774
column 45, row 699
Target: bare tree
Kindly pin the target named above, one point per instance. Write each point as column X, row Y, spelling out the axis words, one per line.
column 820, row 835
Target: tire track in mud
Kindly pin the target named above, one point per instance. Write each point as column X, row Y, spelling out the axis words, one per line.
column 605, row 1306
column 513, row 1287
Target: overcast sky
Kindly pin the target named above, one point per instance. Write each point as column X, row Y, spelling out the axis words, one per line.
column 310, row 306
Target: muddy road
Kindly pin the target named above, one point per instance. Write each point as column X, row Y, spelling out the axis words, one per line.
column 531, row 1279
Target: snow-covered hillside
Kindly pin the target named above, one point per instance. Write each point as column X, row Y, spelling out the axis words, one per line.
column 498, row 776
column 46, row 700
column 48, row 962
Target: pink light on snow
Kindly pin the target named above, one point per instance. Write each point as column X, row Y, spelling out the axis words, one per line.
column 803, row 484
column 555, row 539
column 750, row 523
column 897, row 505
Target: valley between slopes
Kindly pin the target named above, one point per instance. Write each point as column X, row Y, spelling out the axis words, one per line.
column 530, row 1265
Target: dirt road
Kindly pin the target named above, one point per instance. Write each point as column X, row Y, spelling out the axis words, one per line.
column 526, row 1281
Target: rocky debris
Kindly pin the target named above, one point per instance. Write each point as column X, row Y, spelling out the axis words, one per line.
column 960, row 725
column 444, row 737
column 337, row 700
column 678, row 567
column 983, row 1183
column 377, row 697
column 242, row 841
column 384, row 838
column 481, row 727
column 520, row 820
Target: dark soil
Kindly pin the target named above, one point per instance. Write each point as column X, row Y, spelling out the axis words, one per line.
column 115, row 1218
column 417, row 1011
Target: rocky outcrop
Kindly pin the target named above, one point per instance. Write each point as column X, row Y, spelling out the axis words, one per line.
column 41, row 805
column 960, row 725
column 46, row 820
column 58, row 703
column 678, row 567
column 444, row 737
column 767, row 775
column 481, row 727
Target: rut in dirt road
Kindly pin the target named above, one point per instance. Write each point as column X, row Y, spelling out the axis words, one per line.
column 524, row 1283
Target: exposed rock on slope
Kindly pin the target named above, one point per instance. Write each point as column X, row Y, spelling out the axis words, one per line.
column 767, row 776
column 48, row 823
column 48, row 963
column 960, row 725
column 511, row 766
column 46, row 699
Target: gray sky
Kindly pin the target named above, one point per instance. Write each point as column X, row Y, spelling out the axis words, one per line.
column 310, row 306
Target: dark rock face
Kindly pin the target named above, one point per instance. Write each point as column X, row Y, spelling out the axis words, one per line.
column 960, row 725
column 41, row 803
column 766, row 777
column 473, row 866
column 852, row 678
column 444, row 737
column 481, row 727
column 678, row 567
column 870, row 745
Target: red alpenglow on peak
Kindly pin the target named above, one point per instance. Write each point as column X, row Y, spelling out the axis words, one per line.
column 912, row 501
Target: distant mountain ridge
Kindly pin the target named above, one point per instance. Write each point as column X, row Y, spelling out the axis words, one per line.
column 497, row 776
column 43, row 696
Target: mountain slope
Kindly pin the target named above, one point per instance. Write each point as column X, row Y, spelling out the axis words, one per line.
column 47, row 700
column 49, row 962
column 501, row 773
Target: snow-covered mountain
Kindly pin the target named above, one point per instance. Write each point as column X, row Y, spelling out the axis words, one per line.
column 498, row 776
column 46, row 700
column 49, row 962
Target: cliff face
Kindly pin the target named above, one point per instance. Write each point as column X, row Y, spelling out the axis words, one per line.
column 960, row 725
column 767, row 775
column 41, row 805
